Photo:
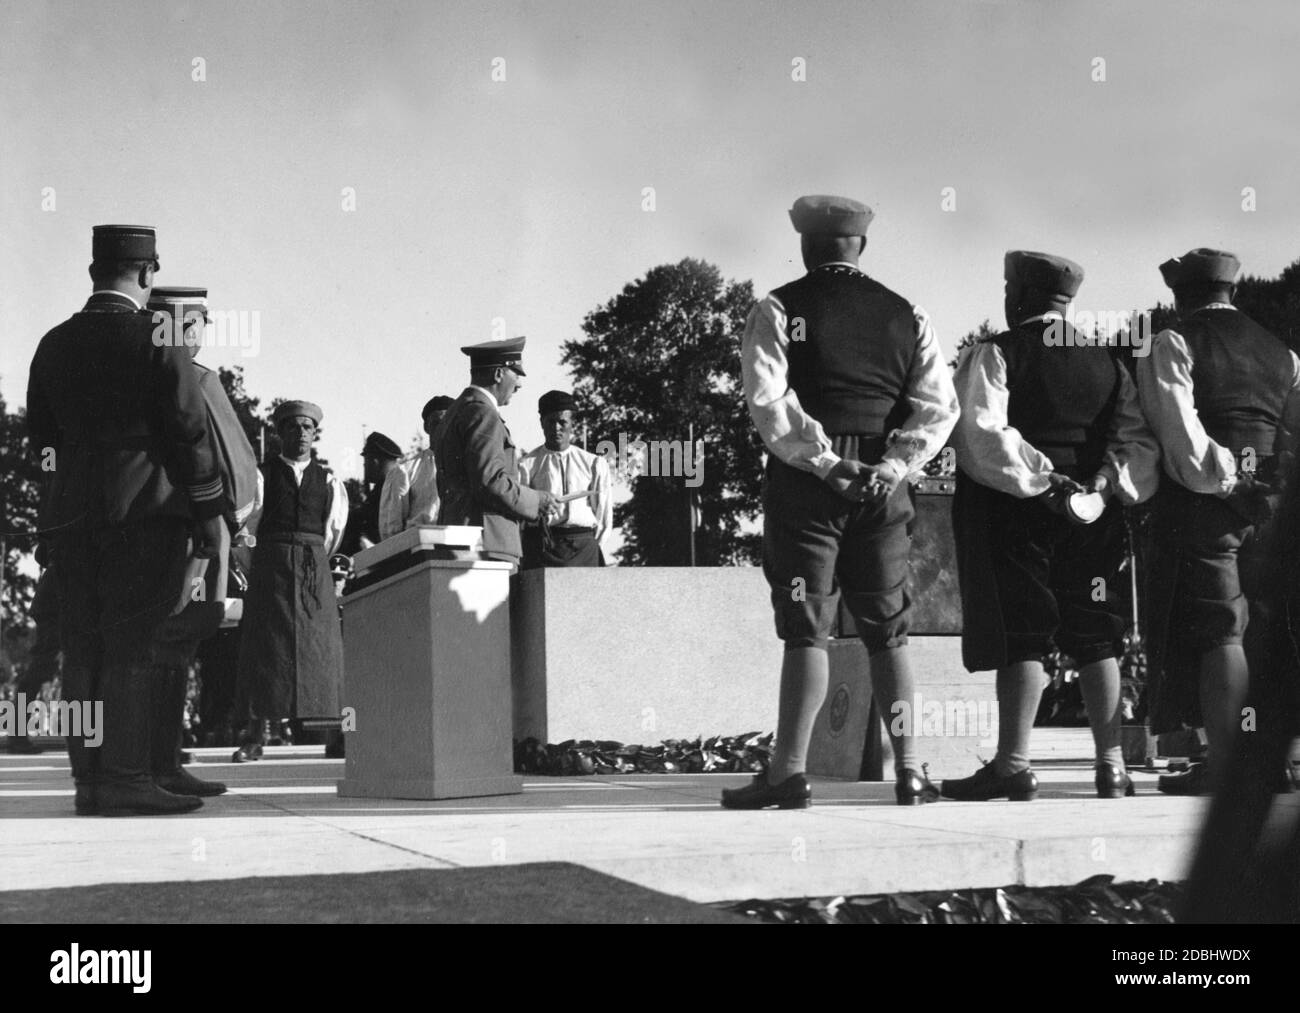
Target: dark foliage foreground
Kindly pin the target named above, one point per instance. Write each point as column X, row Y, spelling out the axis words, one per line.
column 719, row 754
column 1098, row 900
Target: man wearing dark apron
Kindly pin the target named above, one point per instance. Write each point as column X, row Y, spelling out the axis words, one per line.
column 1050, row 442
column 1218, row 389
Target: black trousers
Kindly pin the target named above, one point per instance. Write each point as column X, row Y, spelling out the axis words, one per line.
column 1031, row 579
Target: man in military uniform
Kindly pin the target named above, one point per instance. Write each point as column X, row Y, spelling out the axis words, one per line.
column 181, row 314
column 572, row 537
column 410, row 495
column 379, row 461
column 120, row 417
column 291, row 647
column 1217, row 388
column 847, row 388
column 1045, row 416
column 478, row 480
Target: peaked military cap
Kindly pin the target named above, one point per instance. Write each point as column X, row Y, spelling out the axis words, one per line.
column 178, row 301
column 555, row 401
column 124, row 242
column 379, row 445
column 1200, row 265
column 437, row 404
column 292, row 409
column 497, row 353
column 823, row 215
column 1042, row 271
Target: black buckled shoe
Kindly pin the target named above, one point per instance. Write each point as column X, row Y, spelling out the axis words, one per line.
column 912, row 788
column 184, row 783
column 142, row 799
column 1195, row 782
column 792, row 793
column 985, row 784
column 1112, row 782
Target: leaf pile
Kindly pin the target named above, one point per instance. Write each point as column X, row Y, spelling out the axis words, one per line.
column 719, row 754
column 1097, row 900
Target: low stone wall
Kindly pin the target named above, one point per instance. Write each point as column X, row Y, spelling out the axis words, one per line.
column 641, row 654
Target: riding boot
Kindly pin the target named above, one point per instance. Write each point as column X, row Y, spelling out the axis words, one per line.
column 170, row 685
column 79, row 690
column 126, row 786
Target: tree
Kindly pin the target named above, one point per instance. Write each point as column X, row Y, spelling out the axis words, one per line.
column 1274, row 303
column 20, row 483
column 660, row 357
column 246, row 408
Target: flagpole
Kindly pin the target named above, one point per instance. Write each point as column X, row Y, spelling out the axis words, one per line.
column 690, row 495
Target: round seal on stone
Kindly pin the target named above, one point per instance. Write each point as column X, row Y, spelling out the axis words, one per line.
column 839, row 712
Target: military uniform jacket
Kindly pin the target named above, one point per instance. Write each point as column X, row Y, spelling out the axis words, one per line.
column 477, row 474
column 126, row 419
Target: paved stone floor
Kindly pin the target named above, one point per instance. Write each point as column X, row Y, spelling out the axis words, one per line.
column 667, row 832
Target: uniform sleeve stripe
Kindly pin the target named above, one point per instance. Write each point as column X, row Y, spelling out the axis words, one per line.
column 206, row 491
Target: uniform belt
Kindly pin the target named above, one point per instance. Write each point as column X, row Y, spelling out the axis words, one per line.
column 557, row 529
column 291, row 538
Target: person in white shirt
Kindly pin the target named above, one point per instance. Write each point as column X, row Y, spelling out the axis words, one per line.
column 410, row 496
column 1221, row 394
column 1045, row 416
column 572, row 534
column 847, row 388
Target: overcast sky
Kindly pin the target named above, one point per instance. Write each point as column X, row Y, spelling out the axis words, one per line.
column 522, row 199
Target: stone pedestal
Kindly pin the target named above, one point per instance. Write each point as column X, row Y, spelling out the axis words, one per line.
column 846, row 740
column 426, row 688
column 953, row 714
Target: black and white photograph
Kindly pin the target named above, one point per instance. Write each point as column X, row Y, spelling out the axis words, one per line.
column 605, row 463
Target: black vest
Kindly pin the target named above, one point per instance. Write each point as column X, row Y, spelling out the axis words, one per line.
column 288, row 507
column 1241, row 375
column 1061, row 396
column 851, row 346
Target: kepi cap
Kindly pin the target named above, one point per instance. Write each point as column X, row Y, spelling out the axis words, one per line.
column 497, row 353
column 1042, row 271
column 124, row 242
column 824, row 215
column 291, row 409
column 1201, row 265
column 178, row 300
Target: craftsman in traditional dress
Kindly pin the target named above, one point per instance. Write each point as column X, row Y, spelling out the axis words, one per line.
column 1045, row 415
column 572, row 536
column 291, row 649
column 1219, row 390
column 410, row 496
column 380, row 457
column 847, row 388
